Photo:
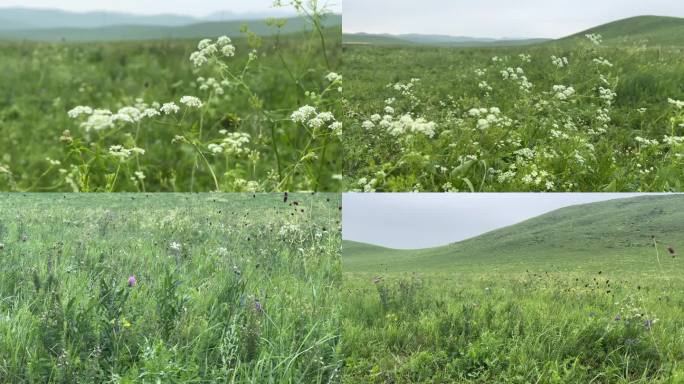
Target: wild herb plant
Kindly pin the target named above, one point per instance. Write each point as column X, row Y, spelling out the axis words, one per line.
column 564, row 117
column 236, row 288
column 236, row 113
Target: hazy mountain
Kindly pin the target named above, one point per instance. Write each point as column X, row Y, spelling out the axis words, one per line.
column 50, row 25
column 228, row 15
column 34, row 18
column 29, row 18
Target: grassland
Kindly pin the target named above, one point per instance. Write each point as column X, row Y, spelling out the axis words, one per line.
column 584, row 294
column 169, row 288
column 565, row 115
column 239, row 136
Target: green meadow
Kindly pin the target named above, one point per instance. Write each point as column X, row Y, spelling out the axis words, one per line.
column 160, row 109
column 594, row 113
column 590, row 293
column 169, row 288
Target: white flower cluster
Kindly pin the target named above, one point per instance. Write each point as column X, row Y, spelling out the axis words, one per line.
column 485, row 86
column 175, row 246
column 559, row 62
column 367, row 185
column 562, row 92
column 510, row 73
column 207, row 48
column 678, row 104
column 407, row 124
column 602, row 61
column 233, row 144
column 374, row 119
column 100, row 119
column 308, row 116
column 80, row 110
column 333, row 77
column 169, row 108
column 646, row 142
column 537, row 178
column 191, row 101
column 122, row 153
column 525, row 58
column 607, row 95
column 405, row 88
column 488, row 117
column 517, row 75
column 211, row 84
column 595, row 38
column 672, row 140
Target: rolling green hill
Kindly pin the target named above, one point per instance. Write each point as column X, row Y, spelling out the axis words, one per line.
column 614, row 233
column 150, row 32
column 642, row 30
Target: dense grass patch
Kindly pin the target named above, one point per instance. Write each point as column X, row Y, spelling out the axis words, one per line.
column 241, row 138
column 152, row 288
column 513, row 328
column 566, row 116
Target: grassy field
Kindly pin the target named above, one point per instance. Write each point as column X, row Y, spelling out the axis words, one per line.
column 574, row 114
column 169, row 288
column 116, row 116
column 583, row 294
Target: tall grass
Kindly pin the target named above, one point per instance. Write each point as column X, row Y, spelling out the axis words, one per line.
column 131, row 130
column 152, row 288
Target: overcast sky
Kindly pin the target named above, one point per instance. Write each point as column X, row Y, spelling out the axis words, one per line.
column 496, row 18
column 153, row 7
column 422, row 220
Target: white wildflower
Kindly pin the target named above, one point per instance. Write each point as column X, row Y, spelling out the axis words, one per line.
column 80, row 110
column 191, row 101
column 169, row 108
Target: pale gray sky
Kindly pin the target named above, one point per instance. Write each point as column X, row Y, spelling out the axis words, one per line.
column 154, row 7
column 422, row 220
column 496, row 18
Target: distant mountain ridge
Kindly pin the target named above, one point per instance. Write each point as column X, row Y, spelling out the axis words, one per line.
column 116, row 26
column 17, row 18
column 663, row 30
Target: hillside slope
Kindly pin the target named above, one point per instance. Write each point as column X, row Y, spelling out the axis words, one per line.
column 642, row 30
column 615, row 233
column 639, row 30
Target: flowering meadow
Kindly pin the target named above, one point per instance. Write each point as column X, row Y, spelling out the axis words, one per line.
column 230, row 114
column 169, row 288
column 577, row 115
column 546, row 301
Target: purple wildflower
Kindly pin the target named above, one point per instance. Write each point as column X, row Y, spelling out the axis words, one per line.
column 132, row 281
column 257, row 306
column 648, row 324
